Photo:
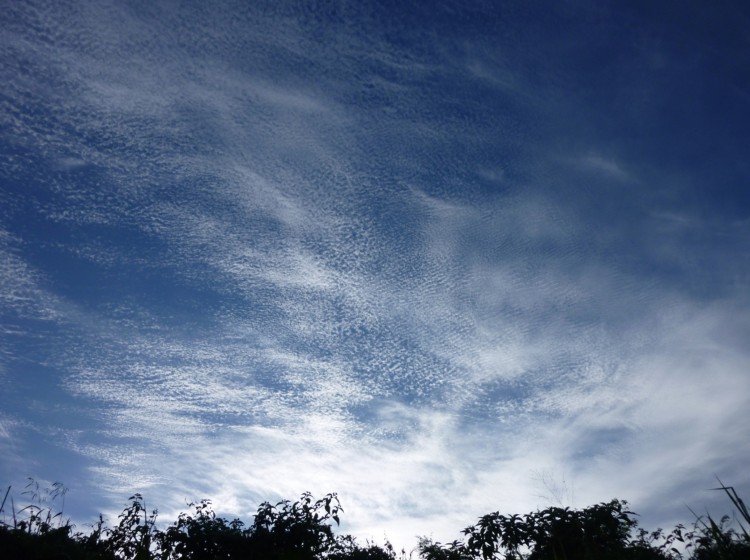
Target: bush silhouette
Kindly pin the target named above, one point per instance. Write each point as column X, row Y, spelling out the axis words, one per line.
column 601, row 531
column 304, row 530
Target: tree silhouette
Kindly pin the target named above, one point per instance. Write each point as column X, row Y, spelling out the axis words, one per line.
column 602, row 531
column 304, row 530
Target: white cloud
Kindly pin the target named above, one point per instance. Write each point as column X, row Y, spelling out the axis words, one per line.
column 600, row 164
column 423, row 354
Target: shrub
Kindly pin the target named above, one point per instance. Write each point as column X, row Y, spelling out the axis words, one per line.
column 303, row 530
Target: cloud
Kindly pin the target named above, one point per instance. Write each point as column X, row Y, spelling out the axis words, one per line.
column 22, row 296
column 271, row 270
column 606, row 166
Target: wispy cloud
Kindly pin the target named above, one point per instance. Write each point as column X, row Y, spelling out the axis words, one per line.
column 264, row 269
column 603, row 165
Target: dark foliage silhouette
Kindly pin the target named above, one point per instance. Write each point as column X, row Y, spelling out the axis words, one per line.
column 304, row 530
column 600, row 531
column 606, row 531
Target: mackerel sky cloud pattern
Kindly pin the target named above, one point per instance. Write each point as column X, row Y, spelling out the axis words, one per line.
column 441, row 259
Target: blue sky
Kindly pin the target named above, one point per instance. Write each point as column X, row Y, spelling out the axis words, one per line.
column 443, row 259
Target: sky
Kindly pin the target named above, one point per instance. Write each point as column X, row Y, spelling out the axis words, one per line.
column 443, row 258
